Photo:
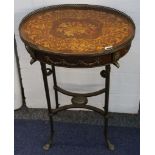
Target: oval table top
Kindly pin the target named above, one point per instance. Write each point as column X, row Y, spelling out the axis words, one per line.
column 76, row 30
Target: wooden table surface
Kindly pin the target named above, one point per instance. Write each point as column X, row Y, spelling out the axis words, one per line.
column 77, row 30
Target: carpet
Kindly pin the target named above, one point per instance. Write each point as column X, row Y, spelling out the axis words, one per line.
column 73, row 139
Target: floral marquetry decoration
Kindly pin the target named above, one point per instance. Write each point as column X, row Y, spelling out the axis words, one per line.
column 76, row 31
column 73, row 28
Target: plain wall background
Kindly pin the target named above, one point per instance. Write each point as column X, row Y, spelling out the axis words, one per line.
column 124, row 91
column 17, row 88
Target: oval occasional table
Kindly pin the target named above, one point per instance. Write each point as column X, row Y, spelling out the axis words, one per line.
column 77, row 36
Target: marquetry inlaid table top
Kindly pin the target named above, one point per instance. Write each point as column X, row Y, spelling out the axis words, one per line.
column 77, row 30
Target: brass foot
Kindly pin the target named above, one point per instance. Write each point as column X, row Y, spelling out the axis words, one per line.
column 110, row 146
column 47, row 146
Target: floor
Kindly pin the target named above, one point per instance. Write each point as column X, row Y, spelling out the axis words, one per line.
column 86, row 117
column 76, row 133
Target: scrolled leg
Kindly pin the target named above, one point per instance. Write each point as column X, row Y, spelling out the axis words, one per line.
column 44, row 73
column 106, row 74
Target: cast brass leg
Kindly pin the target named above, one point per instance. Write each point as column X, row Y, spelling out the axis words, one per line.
column 44, row 73
column 106, row 75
